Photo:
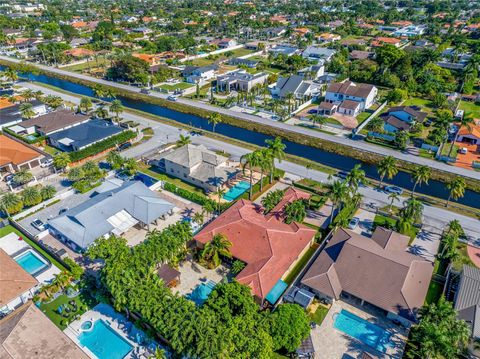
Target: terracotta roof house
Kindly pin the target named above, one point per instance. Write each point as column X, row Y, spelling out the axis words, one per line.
column 79, row 52
column 50, row 123
column 15, row 155
column 28, row 333
column 339, row 92
column 402, row 118
column 470, row 135
column 380, row 41
column 17, row 285
column 376, row 270
column 152, row 60
column 269, row 247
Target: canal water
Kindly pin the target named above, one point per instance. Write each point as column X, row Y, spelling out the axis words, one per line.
column 402, row 179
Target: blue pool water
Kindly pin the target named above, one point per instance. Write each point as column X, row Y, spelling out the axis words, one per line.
column 236, row 191
column 104, row 342
column 276, row 291
column 201, row 292
column 358, row 328
column 30, row 262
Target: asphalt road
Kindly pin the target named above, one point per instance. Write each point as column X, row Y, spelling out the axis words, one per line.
column 433, row 217
column 360, row 145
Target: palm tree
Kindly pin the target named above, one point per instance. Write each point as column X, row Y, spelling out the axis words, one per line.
column 393, row 197
column 218, row 246
column 387, row 167
column 11, row 203
column 289, row 97
column 251, row 160
column 320, row 120
column 337, row 195
column 214, row 119
column 209, row 207
column 183, row 141
column 53, row 101
column 27, row 110
column 101, row 112
column 265, row 163
column 421, row 174
column 116, row 107
column 23, row 176
column 412, row 210
column 99, row 91
column 219, row 193
column 10, row 74
column 28, row 94
column 85, row 104
column 277, row 151
column 355, row 177
column 115, row 160
column 295, row 211
column 31, row 196
column 48, row 192
column 456, row 188
column 199, row 217
column 62, row 160
column 76, row 174
column 455, row 227
column 130, row 166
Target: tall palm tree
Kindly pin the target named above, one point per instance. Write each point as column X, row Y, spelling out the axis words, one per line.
column 456, row 188
column 265, row 162
column 27, row 110
column 218, row 246
column 393, row 197
column 28, row 94
column 85, row 104
column 387, row 167
column 22, row 176
column 214, row 119
column 48, row 192
column 130, row 165
column 101, row 112
column 199, row 217
column 355, row 177
column 62, row 160
column 421, row 174
column 318, row 119
column 250, row 160
column 219, row 193
column 116, row 107
column 31, row 196
column 10, row 74
column 289, row 97
column 277, row 150
column 337, row 195
column 413, row 210
column 183, row 141
column 53, row 101
column 11, row 203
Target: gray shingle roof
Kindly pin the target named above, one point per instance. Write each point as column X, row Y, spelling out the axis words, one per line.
column 467, row 300
column 87, row 133
column 86, row 222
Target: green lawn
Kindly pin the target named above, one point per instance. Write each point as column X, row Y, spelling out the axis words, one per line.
column 177, row 86
column 319, row 314
column 417, row 101
column 9, row 229
column 152, row 171
column 446, row 150
column 333, row 121
column 83, row 301
column 363, row 116
column 241, row 52
column 463, row 257
column 87, row 65
column 389, row 222
column 471, row 109
column 202, row 61
column 300, row 264
column 434, row 292
column 425, row 153
column 51, row 150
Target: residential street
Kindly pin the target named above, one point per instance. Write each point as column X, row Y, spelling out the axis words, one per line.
column 360, row 145
column 433, row 217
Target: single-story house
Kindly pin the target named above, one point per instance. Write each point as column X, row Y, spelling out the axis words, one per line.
column 197, row 165
column 83, row 135
column 10, row 114
column 376, row 270
column 268, row 246
column 226, row 43
column 79, row 53
column 402, row 118
column 338, row 92
column 410, row 31
column 236, row 61
column 28, row 333
column 328, row 37
column 380, row 41
column 287, row 50
column 272, row 32
column 295, row 84
column 467, row 298
column 113, row 210
column 199, row 74
column 318, row 53
column 16, row 155
column 18, row 286
column 240, row 80
column 50, row 123
column 470, row 135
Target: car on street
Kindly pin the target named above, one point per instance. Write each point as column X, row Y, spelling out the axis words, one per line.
column 353, row 223
column 124, row 146
column 172, row 98
column 393, row 189
column 38, row 224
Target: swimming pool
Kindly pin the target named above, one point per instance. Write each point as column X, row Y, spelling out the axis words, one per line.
column 358, row 328
column 236, row 191
column 31, row 262
column 104, row 342
column 201, row 292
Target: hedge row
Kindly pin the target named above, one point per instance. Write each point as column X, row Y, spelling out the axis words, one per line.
column 192, row 196
column 102, row 146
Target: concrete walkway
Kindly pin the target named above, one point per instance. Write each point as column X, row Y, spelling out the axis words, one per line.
column 359, row 145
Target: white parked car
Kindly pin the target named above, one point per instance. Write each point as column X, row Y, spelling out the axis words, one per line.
column 394, row 189
column 47, row 163
column 172, row 98
column 38, row 224
column 463, row 151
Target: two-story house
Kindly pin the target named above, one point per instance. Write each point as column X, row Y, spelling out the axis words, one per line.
column 351, row 98
column 200, row 75
column 240, row 80
column 402, row 118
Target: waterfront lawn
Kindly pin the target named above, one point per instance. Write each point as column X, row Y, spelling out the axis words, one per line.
column 84, row 303
column 177, row 86
column 300, row 264
column 87, row 65
column 471, row 109
column 9, row 229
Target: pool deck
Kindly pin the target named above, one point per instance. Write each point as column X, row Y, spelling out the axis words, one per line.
column 330, row 343
column 117, row 322
column 13, row 247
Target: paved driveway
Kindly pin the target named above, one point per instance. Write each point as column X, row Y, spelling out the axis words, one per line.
column 365, row 225
column 426, row 243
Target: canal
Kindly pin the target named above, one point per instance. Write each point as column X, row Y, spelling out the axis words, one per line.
column 402, row 179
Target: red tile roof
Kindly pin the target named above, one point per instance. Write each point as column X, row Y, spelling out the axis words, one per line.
column 264, row 242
